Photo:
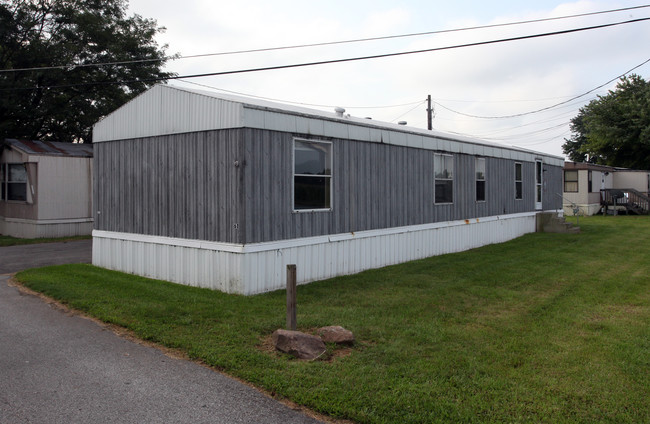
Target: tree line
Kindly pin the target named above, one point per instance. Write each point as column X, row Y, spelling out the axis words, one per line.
column 614, row 129
column 70, row 35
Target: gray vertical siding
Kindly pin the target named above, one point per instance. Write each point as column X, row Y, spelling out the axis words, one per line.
column 374, row 186
column 188, row 186
column 183, row 186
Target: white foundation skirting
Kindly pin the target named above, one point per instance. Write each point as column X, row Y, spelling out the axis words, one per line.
column 261, row 267
column 31, row 228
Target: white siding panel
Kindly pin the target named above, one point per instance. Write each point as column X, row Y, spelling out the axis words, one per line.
column 254, row 118
column 27, row 228
column 212, row 269
column 398, row 138
column 262, row 267
column 416, row 141
column 275, row 121
column 336, row 129
column 359, row 133
column 64, row 188
column 311, row 126
column 167, row 110
column 375, row 135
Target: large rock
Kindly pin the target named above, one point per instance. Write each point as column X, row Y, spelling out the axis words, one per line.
column 298, row 344
column 336, row 334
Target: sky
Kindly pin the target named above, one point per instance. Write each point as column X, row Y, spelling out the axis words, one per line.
column 489, row 82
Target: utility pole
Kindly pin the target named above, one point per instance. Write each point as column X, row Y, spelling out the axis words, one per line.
column 429, row 113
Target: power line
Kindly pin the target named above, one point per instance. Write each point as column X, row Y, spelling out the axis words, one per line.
column 546, row 140
column 328, row 43
column 548, row 107
column 529, row 133
column 352, row 59
column 497, row 131
column 410, row 110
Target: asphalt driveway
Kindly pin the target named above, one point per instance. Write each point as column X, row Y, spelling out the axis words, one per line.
column 57, row 367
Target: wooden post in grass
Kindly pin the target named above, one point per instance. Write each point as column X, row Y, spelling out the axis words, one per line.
column 291, row 297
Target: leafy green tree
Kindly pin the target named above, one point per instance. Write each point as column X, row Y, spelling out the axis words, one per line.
column 64, row 91
column 614, row 129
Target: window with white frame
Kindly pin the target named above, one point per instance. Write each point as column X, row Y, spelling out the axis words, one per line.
column 570, row 181
column 519, row 183
column 312, row 175
column 443, row 168
column 479, row 165
column 14, row 182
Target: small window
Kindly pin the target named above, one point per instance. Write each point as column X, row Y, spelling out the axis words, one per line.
column 443, row 168
column 570, row 181
column 589, row 179
column 479, row 164
column 519, row 185
column 312, row 175
column 14, row 182
column 538, row 181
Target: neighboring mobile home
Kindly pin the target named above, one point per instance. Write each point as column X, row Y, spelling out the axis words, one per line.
column 46, row 189
column 223, row 192
column 583, row 183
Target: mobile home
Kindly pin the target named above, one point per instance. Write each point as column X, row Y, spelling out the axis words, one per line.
column 46, row 189
column 223, row 192
column 584, row 184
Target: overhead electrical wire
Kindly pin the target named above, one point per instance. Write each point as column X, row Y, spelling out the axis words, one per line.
column 546, row 140
column 410, row 110
column 329, row 43
column 541, row 130
column 544, row 108
column 352, row 59
column 499, row 131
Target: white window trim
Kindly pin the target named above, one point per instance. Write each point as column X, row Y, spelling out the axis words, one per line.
column 293, row 175
column 484, row 180
column 443, row 179
column 5, row 182
column 519, row 181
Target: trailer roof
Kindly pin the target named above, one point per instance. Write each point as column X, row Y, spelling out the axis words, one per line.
column 167, row 109
column 51, row 148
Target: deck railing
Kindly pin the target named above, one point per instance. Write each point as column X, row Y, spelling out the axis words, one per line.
column 628, row 198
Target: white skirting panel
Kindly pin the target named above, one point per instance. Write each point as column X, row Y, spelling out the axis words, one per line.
column 261, row 267
column 27, row 228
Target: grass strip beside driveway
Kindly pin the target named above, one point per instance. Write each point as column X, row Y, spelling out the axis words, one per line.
column 545, row 328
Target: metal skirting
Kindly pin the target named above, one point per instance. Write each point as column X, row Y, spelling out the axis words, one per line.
column 26, row 228
column 261, row 267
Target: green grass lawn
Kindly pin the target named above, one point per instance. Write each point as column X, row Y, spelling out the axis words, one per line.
column 545, row 328
column 13, row 241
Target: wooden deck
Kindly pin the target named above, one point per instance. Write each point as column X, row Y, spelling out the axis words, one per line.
column 628, row 200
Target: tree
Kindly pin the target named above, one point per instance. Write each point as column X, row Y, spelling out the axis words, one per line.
column 614, row 129
column 74, row 36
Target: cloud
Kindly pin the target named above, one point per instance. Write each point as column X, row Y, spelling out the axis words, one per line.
column 498, row 79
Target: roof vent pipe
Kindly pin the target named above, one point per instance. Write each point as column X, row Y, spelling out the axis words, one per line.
column 402, row 123
column 339, row 111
